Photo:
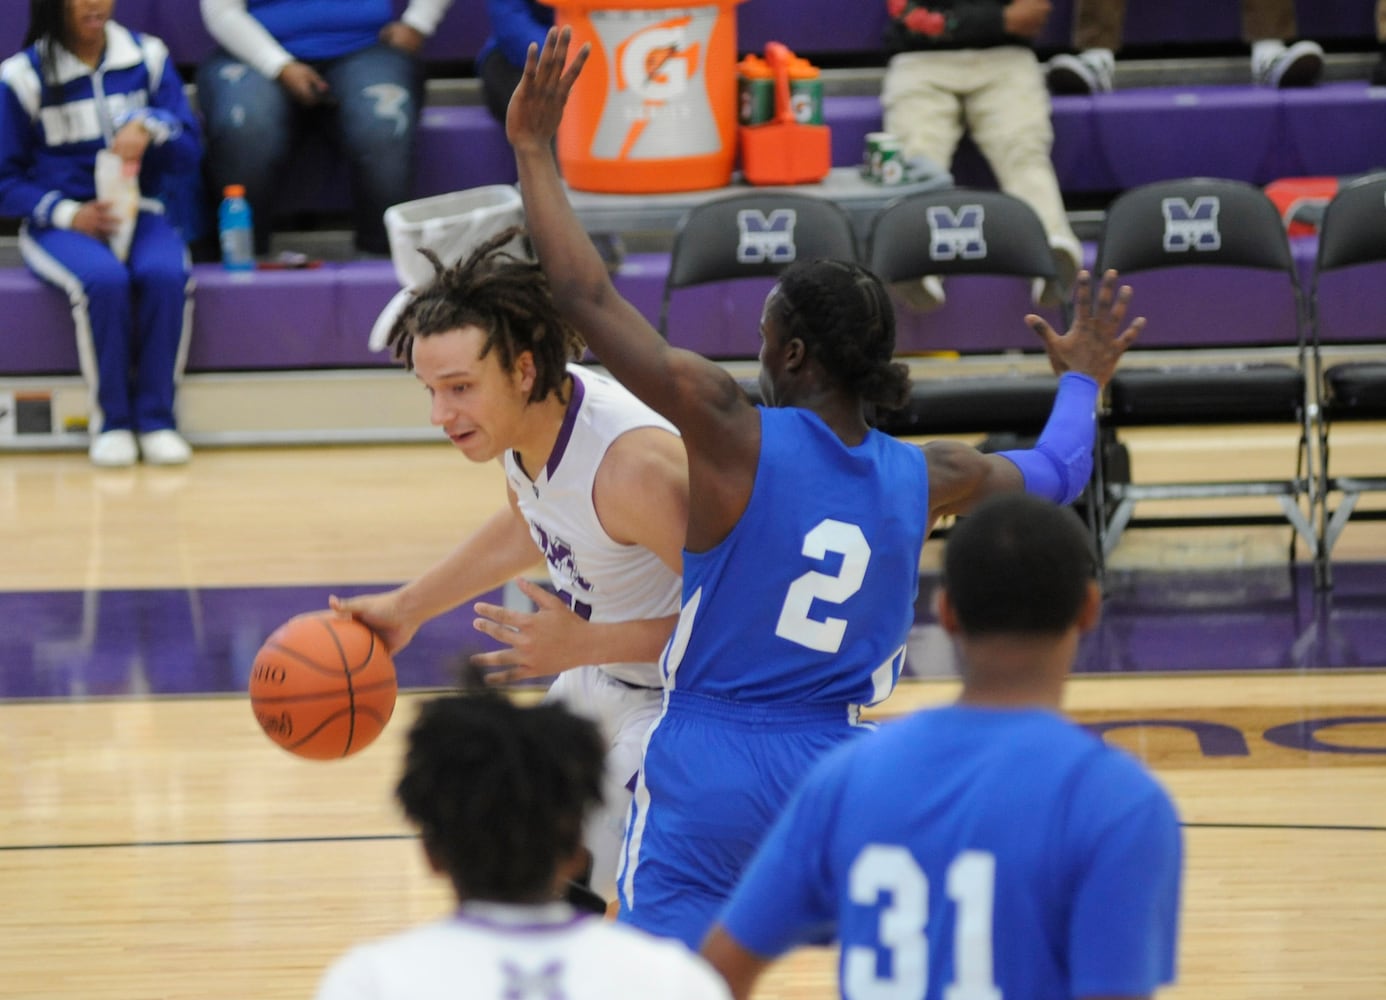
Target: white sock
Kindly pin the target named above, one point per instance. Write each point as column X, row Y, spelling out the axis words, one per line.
column 1105, row 56
column 1266, row 50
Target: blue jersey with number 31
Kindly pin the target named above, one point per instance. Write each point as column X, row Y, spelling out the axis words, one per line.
column 970, row 853
column 811, row 596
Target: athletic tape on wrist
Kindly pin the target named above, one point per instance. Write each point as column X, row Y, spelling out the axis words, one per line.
column 1059, row 465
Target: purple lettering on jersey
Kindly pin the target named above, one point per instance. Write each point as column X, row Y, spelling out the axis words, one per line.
column 559, row 555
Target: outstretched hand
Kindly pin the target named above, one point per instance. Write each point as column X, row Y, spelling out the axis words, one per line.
column 536, row 107
column 1096, row 341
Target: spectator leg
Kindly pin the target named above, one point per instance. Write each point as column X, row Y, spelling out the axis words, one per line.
column 98, row 288
column 1262, row 19
column 380, row 90
column 1098, row 24
column 1008, row 115
column 160, row 271
column 250, row 129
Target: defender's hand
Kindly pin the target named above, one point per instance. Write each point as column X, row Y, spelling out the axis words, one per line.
column 536, row 107
column 1096, row 341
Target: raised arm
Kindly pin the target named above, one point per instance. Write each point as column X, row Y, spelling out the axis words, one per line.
column 1060, row 463
column 618, row 334
column 721, row 429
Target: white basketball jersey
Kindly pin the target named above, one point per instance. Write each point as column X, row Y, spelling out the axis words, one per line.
column 490, row 951
column 603, row 580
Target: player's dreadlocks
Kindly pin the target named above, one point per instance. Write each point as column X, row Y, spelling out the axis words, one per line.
column 842, row 313
column 505, row 296
column 499, row 792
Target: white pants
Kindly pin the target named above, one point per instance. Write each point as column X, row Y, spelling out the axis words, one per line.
column 625, row 715
column 999, row 97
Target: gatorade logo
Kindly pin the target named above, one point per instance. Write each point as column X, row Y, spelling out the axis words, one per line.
column 658, row 62
column 656, row 104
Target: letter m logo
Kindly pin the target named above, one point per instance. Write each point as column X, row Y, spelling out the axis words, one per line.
column 956, row 234
column 1191, row 227
column 766, row 239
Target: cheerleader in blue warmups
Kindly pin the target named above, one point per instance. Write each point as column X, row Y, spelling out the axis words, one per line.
column 84, row 83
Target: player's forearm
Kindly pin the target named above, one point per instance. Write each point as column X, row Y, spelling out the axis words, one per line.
column 1059, row 465
column 499, row 551
column 576, row 273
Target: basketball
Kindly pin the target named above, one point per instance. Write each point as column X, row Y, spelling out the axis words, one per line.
column 323, row 686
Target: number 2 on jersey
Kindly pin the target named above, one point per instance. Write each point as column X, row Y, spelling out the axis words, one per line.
column 827, row 536
column 890, row 871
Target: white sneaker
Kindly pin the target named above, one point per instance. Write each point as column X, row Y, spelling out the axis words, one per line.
column 113, row 449
column 164, row 448
column 1299, row 65
column 1089, row 72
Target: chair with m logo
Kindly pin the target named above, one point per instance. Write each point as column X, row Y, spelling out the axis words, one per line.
column 754, row 235
column 1216, row 254
column 1348, row 308
column 964, row 233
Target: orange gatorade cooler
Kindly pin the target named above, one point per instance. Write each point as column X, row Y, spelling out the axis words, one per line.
column 655, row 109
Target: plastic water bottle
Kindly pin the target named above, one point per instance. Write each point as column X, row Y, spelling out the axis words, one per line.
column 237, row 230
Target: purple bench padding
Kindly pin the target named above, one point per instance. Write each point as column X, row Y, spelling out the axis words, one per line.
column 1101, row 144
column 320, row 318
column 1335, row 128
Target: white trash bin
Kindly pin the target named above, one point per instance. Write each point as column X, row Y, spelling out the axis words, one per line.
column 452, row 226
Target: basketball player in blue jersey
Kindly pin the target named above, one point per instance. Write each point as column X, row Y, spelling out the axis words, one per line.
column 986, row 849
column 801, row 558
column 597, row 491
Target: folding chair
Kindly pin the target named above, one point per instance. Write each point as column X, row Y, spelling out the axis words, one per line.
column 957, row 233
column 1213, row 224
column 755, row 235
column 1352, row 234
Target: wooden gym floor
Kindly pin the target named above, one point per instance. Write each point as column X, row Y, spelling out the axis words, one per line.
column 154, row 844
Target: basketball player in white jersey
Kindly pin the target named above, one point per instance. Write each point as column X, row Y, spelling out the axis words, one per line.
column 498, row 793
column 598, row 490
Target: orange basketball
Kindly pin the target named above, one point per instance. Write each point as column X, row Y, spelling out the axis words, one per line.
column 323, row 686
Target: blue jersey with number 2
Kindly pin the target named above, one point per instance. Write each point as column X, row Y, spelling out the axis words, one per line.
column 811, row 596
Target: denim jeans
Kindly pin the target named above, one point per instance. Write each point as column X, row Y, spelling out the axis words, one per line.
column 253, row 124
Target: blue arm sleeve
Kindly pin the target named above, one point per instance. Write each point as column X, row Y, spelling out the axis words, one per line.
column 1059, row 465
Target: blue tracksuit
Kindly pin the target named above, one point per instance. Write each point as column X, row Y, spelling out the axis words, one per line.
column 132, row 318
